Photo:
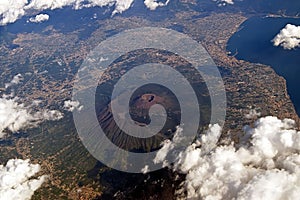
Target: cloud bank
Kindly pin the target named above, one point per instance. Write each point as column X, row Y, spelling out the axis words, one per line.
column 11, row 10
column 288, row 37
column 39, row 18
column 265, row 165
column 16, row 182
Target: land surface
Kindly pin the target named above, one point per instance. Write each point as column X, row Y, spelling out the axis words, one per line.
column 50, row 59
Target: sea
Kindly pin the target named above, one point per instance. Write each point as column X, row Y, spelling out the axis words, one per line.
column 253, row 43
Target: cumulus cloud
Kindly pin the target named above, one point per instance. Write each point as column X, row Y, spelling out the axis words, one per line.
column 70, row 105
column 265, row 165
column 15, row 115
column 288, row 37
column 50, row 4
column 168, row 146
column 11, row 10
column 39, row 18
column 153, row 4
column 16, row 182
column 122, row 5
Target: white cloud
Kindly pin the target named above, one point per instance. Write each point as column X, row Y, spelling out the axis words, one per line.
column 161, row 155
column 253, row 113
column 16, row 182
column 39, row 18
column 224, row 2
column 72, row 105
column 15, row 116
column 168, row 146
column 265, row 165
column 288, row 37
column 145, row 170
column 48, row 4
column 122, row 5
column 11, row 10
column 228, row 1
column 153, row 4
column 208, row 141
column 15, row 81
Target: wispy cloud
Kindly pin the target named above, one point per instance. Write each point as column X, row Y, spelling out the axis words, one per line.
column 16, row 80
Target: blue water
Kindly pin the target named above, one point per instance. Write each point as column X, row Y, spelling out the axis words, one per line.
column 253, row 43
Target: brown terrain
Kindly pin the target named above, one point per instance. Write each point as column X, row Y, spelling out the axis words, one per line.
column 58, row 149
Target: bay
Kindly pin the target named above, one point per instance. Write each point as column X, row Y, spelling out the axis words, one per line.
column 253, row 43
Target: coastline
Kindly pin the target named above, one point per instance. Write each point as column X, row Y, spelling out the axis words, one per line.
column 247, row 84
